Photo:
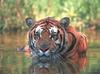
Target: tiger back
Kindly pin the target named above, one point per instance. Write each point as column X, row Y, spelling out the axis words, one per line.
column 80, row 46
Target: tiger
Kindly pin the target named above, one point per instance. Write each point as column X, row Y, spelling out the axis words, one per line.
column 54, row 43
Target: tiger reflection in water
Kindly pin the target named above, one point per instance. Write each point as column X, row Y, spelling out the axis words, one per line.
column 56, row 47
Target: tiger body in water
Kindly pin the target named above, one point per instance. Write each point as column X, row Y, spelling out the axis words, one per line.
column 55, row 47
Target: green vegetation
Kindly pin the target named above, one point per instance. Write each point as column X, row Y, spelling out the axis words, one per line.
column 13, row 12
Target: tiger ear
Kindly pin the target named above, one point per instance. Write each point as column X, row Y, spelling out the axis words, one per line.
column 65, row 21
column 29, row 21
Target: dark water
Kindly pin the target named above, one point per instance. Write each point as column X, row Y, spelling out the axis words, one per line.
column 13, row 62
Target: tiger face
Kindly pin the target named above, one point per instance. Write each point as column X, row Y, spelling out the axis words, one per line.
column 46, row 36
column 49, row 41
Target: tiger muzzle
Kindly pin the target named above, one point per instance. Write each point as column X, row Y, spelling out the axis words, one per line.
column 44, row 46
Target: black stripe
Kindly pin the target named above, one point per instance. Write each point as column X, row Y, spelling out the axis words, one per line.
column 73, row 42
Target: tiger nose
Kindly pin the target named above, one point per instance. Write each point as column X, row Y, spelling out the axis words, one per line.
column 44, row 46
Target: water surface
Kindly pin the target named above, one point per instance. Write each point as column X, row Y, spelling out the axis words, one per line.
column 13, row 62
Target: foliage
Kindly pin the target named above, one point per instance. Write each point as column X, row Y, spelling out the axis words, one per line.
column 13, row 12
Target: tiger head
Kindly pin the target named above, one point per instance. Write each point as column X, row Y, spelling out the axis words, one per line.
column 47, row 36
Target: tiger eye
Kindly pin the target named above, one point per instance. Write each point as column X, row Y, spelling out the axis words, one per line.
column 54, row 35
column 36, row 35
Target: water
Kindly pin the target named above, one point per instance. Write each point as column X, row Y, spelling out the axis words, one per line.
column 13, row 62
